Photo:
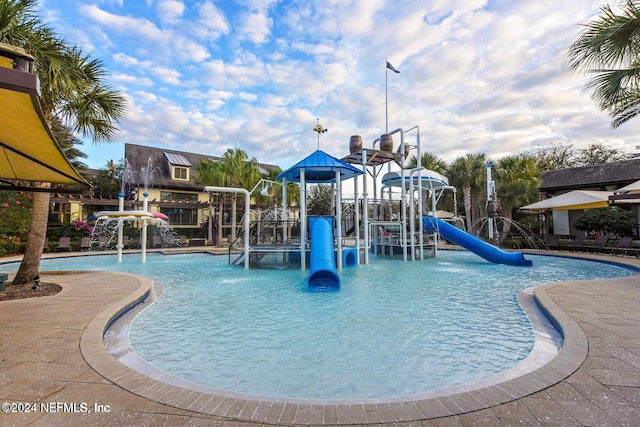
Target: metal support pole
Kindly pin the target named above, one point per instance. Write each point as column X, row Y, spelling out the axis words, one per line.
column 365, row 208
column 338, row 220
column 412, row 218
column 303, row 220
column 143, row 243
column 119, row 243
column 284, row 211
column 356, row 209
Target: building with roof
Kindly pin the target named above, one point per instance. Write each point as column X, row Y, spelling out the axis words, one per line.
column 599, row 177
column 568, row 192
column 166, row 175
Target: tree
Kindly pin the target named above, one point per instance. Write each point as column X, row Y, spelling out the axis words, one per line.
column 613, row 220
column 72, row 92
column 468, row 173
column 555, row 156
column 608, row 49
column 429, row 161
column 319, row 199
column 516, row 186
column 560, row 156
column 598, row 152
column 239, row 172
column 68, row 142
column 108, row 181
column 293, row 193
column 209, row 172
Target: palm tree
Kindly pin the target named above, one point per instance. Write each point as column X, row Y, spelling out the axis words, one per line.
column 293, row 190
column 516, row 186
column 239, row 172
column 69, row 142
column 468, row 173
column 608, row 48
column 72, row 92
column 209, row 172
column 429, row 161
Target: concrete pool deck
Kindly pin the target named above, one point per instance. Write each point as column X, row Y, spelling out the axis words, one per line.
column 56, row 370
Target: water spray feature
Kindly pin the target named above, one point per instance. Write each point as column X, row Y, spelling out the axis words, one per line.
column 529, row 236
column 493, row 218
column 111, row 223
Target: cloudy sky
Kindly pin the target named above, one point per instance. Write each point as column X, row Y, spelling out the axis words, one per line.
column 475, row 75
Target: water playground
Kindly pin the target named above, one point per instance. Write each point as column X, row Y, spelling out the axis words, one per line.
column 391, row 214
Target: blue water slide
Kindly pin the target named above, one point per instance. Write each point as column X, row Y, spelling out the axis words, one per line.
column 472, row 243
column 322, row 263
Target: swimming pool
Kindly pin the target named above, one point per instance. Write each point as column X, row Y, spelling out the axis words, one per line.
column 395, row 329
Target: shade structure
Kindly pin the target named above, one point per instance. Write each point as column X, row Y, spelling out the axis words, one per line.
column 573, row 200
column 634, row 187
column 428, row 179
column 627, row 195
column 320, row 167
column 28, row 150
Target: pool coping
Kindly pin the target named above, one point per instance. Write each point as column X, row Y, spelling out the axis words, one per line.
column 571, row 356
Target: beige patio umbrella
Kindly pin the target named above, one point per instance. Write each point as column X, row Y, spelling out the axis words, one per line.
column 573, row 200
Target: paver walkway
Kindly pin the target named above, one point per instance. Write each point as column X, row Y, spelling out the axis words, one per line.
column 44, row 343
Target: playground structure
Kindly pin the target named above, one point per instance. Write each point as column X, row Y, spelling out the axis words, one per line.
column 394, row 222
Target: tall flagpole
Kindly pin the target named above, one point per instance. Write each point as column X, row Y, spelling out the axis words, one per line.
column 386, row 98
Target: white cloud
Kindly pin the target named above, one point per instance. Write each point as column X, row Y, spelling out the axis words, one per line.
column 167, row 75
column 211, row 22
column 150, row 41
column 255, row 24
column 475, row 75
column 170, row 11
column 126, row 60
column 127, row 79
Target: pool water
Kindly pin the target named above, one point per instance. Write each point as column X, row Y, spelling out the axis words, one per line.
column 394, row 329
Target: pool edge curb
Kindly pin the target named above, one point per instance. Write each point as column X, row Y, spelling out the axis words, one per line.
column 568, row 360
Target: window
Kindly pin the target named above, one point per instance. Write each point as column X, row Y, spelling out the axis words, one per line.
column 180, row 173
column 179, row 166
column 174, row 196
column 179, row 216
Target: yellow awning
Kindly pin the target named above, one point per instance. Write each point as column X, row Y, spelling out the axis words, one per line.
column 28, row 150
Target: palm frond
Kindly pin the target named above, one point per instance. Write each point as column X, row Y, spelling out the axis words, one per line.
column 609, row 41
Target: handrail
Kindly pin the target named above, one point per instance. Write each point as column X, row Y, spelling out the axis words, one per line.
column 214, row 189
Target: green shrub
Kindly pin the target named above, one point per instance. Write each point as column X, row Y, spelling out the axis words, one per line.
column 15, row 211
column 11, row 245
column 613, row 220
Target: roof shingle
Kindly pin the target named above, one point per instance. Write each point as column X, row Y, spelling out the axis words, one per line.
column 595, row 177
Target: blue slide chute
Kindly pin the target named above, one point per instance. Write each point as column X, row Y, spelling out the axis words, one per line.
column 322, row 263
column 475, row 245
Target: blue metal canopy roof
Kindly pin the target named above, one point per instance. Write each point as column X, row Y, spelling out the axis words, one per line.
column 319, row 167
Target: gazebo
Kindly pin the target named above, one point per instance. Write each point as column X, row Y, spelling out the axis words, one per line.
column 319, row 168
